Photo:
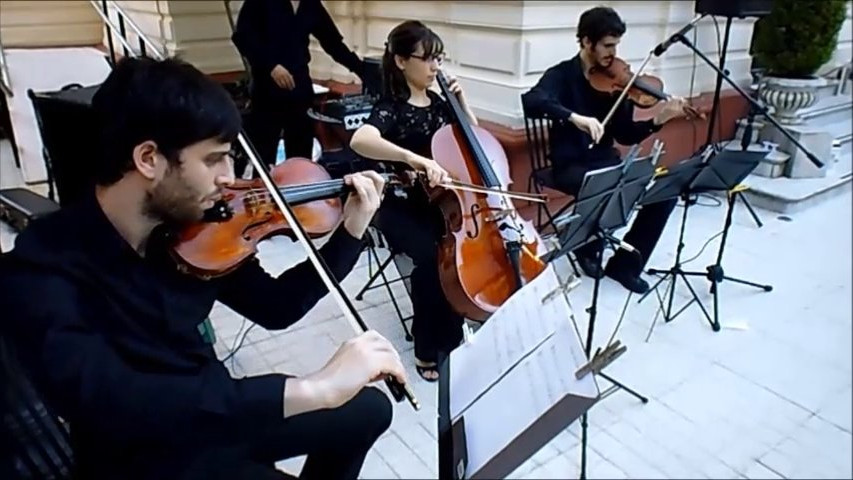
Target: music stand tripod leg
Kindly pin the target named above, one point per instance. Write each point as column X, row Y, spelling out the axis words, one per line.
column 593, row 311
column 757, row 220
column 715, row 272
column 676, row 272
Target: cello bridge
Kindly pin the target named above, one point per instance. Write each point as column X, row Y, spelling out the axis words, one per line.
column 499, row 214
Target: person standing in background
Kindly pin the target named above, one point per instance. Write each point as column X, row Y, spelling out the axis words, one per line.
column 273, row 35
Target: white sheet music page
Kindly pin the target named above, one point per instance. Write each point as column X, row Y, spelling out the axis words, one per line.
column 519, row 364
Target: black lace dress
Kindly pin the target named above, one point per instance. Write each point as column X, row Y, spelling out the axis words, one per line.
column 411, row 225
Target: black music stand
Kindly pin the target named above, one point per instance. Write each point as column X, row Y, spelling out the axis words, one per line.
column 720, row 171
column 604, row 203
column 530, row 345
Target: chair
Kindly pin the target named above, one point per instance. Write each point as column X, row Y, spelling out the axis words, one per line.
column 404, row 265
column 67, row 125
column 36, row 439
column 538, row 129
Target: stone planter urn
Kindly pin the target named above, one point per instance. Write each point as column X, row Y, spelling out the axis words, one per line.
column 788, row 96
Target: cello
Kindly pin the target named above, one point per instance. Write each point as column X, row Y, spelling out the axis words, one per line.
column 487, row 251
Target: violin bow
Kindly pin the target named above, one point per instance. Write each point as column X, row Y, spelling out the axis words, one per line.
column 398, row 390
column 624, row 93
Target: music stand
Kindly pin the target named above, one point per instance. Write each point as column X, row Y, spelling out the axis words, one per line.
column 605, row 201
column 605, row 195
column 530, row 344
column 720, row 171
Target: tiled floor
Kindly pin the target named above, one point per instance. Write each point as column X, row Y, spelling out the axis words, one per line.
column 768, row 396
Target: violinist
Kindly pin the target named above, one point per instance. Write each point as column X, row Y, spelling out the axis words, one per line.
column 564, row 92
column 107, row 326
column 399, row 130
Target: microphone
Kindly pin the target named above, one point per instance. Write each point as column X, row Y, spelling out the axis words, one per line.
column 668, row 43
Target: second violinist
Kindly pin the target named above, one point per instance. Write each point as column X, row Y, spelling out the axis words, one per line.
column 564, row 93
column 400, row 129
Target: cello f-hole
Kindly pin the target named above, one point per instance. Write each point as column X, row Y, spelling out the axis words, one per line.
column 475, row 210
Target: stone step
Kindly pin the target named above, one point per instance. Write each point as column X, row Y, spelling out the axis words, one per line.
column 828, row 110
column 791, row 195
column 831, row 114
column 832, row 88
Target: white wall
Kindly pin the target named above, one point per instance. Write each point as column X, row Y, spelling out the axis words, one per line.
column 499, row 49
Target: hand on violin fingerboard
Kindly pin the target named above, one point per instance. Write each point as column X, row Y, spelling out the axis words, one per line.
column 362, row 205
column 676, row 107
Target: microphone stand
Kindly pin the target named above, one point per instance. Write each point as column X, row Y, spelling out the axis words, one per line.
column 754, row 103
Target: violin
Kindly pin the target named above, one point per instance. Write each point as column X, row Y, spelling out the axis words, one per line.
column 251, row 211
column 246, row 214
column 487, row 251
column 276, row 197
column 645, row 91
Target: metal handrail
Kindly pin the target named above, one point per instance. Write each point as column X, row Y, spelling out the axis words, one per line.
column 125, row 18
column 5, row 78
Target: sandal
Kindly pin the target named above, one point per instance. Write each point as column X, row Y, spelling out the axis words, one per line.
column 422, row 369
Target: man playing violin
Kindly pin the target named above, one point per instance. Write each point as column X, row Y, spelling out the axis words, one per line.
column 108, row 328
column 564, row 93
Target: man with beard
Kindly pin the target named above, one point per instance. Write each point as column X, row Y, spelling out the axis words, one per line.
column 564, row 93
column 108, row 328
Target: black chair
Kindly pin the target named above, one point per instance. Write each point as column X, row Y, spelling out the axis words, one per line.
column 538, row 130
column 69, row 134
column 36, row 439
column 402, row 262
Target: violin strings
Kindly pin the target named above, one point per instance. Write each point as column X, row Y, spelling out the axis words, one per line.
column 262, row 195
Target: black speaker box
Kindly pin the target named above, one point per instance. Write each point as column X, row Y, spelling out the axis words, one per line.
column 734, row 8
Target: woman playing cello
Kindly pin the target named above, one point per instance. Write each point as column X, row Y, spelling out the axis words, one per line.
column 400, row 129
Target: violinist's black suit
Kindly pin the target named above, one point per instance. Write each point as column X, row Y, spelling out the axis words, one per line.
column 563, row 90
column 112, row 341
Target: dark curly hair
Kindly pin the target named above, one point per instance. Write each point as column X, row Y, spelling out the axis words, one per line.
column 599, row 22
column 169, row 102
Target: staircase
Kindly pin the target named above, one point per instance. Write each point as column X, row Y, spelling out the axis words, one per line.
column 831, row 114
column 49, row 70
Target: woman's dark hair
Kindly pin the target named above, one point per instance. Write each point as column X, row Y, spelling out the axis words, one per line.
column 403, row 41
column 599, row 22
column 169, row 102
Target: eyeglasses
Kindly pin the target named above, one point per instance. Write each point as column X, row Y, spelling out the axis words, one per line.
column 438, row 58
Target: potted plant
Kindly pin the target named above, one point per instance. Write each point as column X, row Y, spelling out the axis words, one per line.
column 790, row 45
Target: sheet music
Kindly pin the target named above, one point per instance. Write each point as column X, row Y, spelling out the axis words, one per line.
column 518, row 365
column 500, row 344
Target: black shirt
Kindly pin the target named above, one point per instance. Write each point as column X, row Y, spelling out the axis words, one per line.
column 409, row 126
column 562, row 90
column 112, row 339
column 270, row 33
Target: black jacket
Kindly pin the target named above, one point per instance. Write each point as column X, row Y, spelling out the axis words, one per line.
column 269, row 33
column 562, row 90
column 111, row 339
